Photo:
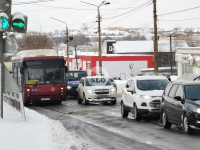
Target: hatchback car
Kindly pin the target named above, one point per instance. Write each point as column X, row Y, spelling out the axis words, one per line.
column 96, row 89
column 142, row 96
column 181, row 106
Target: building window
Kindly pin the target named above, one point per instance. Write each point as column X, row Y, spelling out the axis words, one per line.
column 187, row 69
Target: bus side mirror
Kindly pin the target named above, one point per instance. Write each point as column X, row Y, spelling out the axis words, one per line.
column 66, row 69
column 21, row 70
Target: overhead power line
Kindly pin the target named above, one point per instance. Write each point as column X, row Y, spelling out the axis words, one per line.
column 31, row 2
column 145, row 4
column 179, row 11
column 181, row 19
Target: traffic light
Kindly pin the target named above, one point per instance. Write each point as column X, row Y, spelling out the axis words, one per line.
column 4, row 22
column 5, row 9
column 19, row 23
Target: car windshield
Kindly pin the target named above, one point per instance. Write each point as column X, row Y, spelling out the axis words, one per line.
column 97, row 82
column 152, row 84
column 75, row 75
column 192, row 92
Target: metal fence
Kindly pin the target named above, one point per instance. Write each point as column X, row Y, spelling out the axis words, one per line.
column 16, row 101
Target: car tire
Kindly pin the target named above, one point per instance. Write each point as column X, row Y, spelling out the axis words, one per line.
column 136, row 115
column 79, row 100
column 85, row 102
column 124, row 112
column 186, row 127
column 165, row 123
column 113, row 102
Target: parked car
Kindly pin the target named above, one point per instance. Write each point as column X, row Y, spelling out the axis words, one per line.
column 72, row 81
column 142, row 96
column 96, row 89
column 181, row 106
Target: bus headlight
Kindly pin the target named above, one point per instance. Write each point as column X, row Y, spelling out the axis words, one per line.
column 90, row 91
column 69, row 87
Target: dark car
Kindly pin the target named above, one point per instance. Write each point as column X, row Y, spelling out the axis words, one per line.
column 181, row 106
column 72, row 81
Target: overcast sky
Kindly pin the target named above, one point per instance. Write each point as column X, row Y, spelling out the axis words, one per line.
column 120, row 13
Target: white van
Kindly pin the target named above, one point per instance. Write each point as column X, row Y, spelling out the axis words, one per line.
column 142, row 96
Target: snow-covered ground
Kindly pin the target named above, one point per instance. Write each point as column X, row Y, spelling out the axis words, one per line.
column 37, row 133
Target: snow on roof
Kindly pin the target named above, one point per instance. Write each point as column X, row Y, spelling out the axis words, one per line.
column 108, row 55
column 35, row 52
column 146, row 46
column 159, row 68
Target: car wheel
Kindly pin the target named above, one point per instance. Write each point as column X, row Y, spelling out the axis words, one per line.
column 186, row 127
column 124, row 112
column 85, row 102
column 136, row 115
column 165, row 123
column 113, row 102
column 79, row 100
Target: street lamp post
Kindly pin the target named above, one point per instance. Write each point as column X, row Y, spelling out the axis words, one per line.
column 99, row 30
column 67, row 38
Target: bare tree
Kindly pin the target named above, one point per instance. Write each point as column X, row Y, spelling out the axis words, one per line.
column 36, row 40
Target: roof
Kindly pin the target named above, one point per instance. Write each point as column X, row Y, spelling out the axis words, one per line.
column 35, row 52
column 146, row 46
column 188, row 82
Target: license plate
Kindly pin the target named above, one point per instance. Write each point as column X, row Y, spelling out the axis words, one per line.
column 45, row 99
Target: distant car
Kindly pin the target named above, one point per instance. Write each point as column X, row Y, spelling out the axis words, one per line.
column 72, row 81
column 181, row 106
column 96, row 89
column 142, row 96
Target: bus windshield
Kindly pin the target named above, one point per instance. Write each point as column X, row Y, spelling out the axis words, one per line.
column 75, row 75
column 43, row 71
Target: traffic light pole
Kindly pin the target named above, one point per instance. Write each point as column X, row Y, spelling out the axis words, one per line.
column 1, row 73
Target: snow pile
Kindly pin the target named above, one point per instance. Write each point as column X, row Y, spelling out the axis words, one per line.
column 38, row 133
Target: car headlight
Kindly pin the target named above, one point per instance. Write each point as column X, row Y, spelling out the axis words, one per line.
column 69, row 87
column 194, row 108
column 145, row 97
column 198, row 110
column 112, row 91
column 89, row 91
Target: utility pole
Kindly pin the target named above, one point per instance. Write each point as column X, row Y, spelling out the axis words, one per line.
column 2, row 72
column 67, row 39
column 67, row 35
column 76, row 58
column 99, row 32
column 155, row 39
column 171, row 61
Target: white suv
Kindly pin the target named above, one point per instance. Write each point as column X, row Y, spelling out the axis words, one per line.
column 142, row 96
column 96, row 89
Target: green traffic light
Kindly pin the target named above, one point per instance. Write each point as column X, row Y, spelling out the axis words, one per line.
column 20, row 24
column 4, row 23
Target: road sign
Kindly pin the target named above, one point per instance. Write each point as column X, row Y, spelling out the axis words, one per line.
column 4, row 24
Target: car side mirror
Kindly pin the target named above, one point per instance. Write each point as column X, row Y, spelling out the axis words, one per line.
column 66, row 69
column 21, row 70
column 132, row 90
column 178, row 98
